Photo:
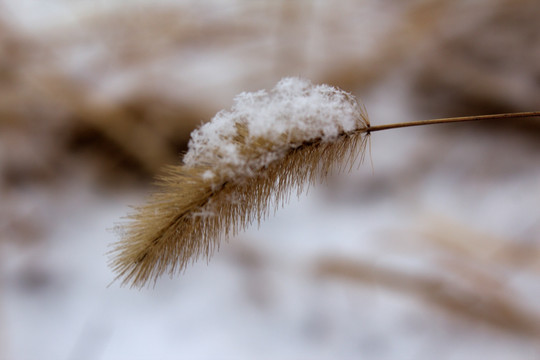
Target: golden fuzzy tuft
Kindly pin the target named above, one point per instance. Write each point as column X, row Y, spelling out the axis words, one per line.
column 200, row 203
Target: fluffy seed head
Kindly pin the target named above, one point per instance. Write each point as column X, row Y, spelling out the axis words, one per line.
column 239, row 165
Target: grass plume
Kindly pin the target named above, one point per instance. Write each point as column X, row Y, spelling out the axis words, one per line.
column 239, row 166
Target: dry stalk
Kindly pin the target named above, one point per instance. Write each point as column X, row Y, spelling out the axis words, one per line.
column 241, row 165
column 454, row 120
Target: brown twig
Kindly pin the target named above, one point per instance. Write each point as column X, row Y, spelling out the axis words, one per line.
column 454, row 120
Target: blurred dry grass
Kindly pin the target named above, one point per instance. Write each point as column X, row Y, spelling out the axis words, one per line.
column 491, row 253
column 475, row 299
column 491, row 65
column 54, row 85
column 118, row 92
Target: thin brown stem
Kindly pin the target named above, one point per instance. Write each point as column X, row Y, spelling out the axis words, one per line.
column 453, row 120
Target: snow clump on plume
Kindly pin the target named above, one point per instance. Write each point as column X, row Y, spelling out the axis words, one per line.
column 263, row 125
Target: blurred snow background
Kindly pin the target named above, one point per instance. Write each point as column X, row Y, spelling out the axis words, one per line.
column 432, row 251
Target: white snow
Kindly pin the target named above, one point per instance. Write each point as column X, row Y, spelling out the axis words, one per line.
column 293, row 112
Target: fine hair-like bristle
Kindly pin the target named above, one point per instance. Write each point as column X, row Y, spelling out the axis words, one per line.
column 239, row 166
